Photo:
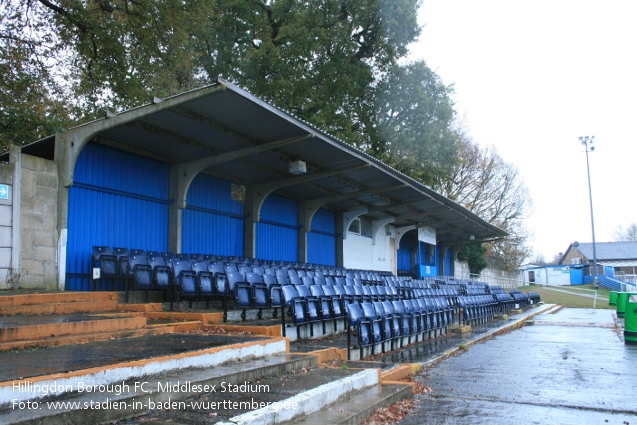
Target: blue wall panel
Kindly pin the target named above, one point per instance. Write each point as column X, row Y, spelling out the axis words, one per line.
column 214, row 194
column 448, row 261
column 403, row 256
column 212, row 223
column 280, row 210
column 208, row 233
column 277, row 232
column 321, row 249
column 321, row 241
column 276, row 242
column 118, row 199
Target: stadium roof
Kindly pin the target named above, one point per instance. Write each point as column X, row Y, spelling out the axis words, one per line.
column 225, row 131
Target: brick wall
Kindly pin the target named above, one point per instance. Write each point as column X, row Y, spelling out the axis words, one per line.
column 574, row 253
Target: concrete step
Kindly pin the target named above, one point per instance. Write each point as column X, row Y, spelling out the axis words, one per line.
column 355, row 407
column 73, row 307
column 54, row 297
column 139, row 395
column 29, row 328
column 85, row 338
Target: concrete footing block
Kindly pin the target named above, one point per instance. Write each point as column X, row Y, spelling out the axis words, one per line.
column 306, row 402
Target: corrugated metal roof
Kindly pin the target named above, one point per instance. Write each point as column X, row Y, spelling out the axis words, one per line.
column 607, row 251
column 206, row 123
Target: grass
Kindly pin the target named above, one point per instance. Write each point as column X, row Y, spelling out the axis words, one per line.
column 571, row 299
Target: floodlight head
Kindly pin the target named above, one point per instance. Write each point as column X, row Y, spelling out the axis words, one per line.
column 592, row 148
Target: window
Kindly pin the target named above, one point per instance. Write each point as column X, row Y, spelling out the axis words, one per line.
column 355, row 227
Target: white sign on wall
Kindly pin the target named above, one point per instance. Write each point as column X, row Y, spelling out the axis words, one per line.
column 4, row 191
column 427, row 235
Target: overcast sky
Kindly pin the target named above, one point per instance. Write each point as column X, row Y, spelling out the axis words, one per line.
column 530, row 78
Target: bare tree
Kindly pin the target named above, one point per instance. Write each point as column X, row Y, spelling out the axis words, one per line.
column 626, row 234
column 492, row 188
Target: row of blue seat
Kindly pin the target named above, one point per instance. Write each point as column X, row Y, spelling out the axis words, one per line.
column 120, row 255
column 378, row 322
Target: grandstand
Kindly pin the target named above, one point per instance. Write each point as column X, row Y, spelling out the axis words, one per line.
column 214, row 209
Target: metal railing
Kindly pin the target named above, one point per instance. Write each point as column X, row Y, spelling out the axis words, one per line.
column 626, row 278
column 506, row 283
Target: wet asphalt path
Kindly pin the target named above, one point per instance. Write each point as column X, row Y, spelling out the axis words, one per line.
column 570, row 367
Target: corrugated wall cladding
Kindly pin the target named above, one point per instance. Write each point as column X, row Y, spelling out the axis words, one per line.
column 278, row 229
column 214, row 194
column 281, row 210
column 212, row 223
column 276, row 242
column 403, row 256
column 324, row 221
column 321, row 241
column 321, row 249
column 448, row 260
column 118, row 199
column 109, row 168
column 208, row 233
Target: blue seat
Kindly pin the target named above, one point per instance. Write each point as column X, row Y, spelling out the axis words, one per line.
column 205, row 280
column 405, row 318
column 396, row 320
column 162, row 275
column 336, row 300
column 103, row 259
column 274, row 294
column 311, row 304
column 122, row 255
column 184, row 280
column 362, row 325
column 141, row 273
column 376, row 322
column 169, row 256
column 291, row 300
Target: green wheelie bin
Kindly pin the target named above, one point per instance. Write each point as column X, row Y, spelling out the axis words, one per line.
column 630, row 319
column 621, row 303
column 612, row 298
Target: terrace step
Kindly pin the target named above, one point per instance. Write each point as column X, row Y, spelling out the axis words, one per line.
column 54, row 297
column 29, row 328
column 170, row 380
column 84, row 338
column 355, row 407
column 59, row 308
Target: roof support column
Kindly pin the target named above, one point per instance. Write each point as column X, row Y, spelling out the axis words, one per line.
column 377, row 225
column 302, row 232
column 348, row 216
column 340, row 231
column 175, row 209
column 251, row 213
column 401, row 231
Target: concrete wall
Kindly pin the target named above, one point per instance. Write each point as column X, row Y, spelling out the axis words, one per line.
column 6, row 227
column 359, row 253
column 38, row 214
column 490, row 276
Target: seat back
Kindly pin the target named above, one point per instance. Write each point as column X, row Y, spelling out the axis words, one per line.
column 184, row 277
column 354, row 313
column 142, row 272
column 104, row 258
column 233, row 279
column 253, row 278
column 161, row 273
